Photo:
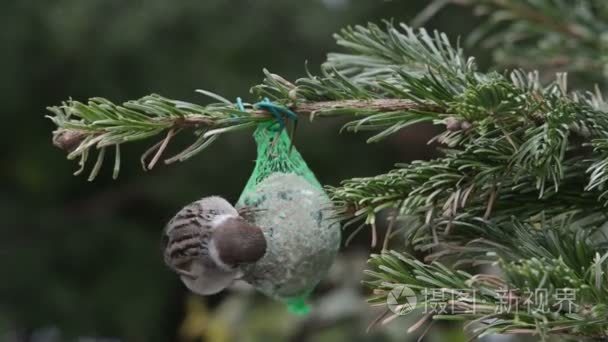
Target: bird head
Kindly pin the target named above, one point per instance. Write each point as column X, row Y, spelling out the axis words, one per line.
column 206, row 242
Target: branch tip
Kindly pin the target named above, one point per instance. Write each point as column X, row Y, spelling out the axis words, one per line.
column 67, row 140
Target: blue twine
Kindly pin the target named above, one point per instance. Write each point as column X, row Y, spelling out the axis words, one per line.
column 239, row 104
column 279, row 112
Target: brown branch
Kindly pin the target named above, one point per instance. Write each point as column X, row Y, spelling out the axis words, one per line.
column 313, row 108
column 380, row 105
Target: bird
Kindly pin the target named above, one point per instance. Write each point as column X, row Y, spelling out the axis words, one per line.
column 208, row 241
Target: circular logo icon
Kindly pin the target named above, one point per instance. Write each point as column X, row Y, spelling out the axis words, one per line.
column 401, row 300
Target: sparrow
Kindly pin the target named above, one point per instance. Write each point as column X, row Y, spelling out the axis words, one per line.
column 207, row 241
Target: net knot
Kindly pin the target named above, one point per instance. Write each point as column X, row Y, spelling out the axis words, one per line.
column 280, row 113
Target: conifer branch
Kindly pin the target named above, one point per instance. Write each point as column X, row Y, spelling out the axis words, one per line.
column 100, row 123
column 566, row 35
column 500, row 306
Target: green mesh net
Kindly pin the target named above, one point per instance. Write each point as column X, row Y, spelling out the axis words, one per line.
column 276, row 154
column 290, row 206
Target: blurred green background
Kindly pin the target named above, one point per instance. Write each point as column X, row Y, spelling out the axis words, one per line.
column 80, row 260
